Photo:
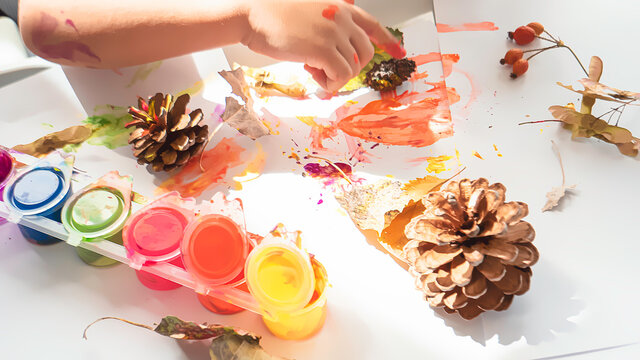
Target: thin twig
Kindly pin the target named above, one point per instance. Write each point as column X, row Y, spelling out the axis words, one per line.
column 561, row 44
column 551, row 36
column 539, row 122
column 207, row 143
column 555, row 148
column 541, row 49
column 544, row 38
column 84, row 334
column 332, row 164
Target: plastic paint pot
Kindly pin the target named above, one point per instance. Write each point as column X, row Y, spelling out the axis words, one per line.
column 223, row 307
column 7, row 169
column 41, row 189
column 98, row 212
column 303, row 323
column 214, row 250
column 153, row 235
column 280, row 276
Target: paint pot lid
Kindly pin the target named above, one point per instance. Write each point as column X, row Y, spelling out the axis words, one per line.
column 96, row 209
column 36, row 188
column 155, row 232
column 214, row 250
column 280, row 276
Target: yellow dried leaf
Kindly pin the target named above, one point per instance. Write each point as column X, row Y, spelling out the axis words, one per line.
column 393, row 234
column 418, row 188
column 50, row 142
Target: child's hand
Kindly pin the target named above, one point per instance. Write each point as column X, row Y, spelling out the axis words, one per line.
column 333, row 38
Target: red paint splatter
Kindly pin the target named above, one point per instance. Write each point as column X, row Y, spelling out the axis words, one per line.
column 191, row 181
column 481, row 26
column 70, row 23
column 355, row 58
column 413, row 119
column 69, row 50
column 447, row 60
column 330, row 12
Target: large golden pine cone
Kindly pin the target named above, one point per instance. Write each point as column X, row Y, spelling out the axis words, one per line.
column 165, row 136
column 469, row 250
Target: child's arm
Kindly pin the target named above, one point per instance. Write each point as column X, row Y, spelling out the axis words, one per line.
column 330, row 36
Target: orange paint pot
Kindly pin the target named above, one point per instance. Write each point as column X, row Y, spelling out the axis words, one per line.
column 214, row 250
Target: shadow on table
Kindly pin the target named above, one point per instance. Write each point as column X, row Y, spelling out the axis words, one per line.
column 536, row 316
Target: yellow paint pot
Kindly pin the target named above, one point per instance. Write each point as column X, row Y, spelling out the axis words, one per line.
column 307, row 321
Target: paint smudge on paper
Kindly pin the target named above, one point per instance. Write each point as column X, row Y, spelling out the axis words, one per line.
column 254, row 168
column 436, row 163
column 497, row 151
column 191, row 181
column 330, row 12
column 458, row 156
column 477, row 154
column 74, row 51
column 69, row 22
column 480, row 26
column 412, row 119
column 447, row 61
column 143, row 72
column 108, row 127
column 328, row 174
column 318, row 132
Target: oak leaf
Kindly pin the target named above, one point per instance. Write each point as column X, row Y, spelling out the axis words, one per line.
column 242, row 117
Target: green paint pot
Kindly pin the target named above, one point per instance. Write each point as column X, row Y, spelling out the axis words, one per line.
column 98, row 212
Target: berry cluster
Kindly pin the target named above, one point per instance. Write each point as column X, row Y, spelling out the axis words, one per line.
column 524, row 35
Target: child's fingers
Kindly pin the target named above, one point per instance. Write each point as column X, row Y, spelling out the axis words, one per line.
column 336, row 67
column 364, row 50
column 318, row 75
column 378, row 33
column 349, row 53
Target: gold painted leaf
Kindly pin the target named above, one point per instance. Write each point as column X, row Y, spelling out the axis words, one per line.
column 70, row 136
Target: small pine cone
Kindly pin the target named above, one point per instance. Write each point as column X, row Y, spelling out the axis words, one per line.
column 165, row 136
column 390, row 74
column 469, row 250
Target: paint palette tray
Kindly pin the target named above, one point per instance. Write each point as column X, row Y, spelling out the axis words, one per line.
column 170, row 241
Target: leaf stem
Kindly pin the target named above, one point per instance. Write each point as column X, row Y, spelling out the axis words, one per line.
column 334, row 165
column 539, row 122
column 84, row 334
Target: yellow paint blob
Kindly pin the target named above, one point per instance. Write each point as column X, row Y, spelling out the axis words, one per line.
column 437, row 163
column 279, row 277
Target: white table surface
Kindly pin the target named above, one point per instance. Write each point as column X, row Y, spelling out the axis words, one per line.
column 583, row 291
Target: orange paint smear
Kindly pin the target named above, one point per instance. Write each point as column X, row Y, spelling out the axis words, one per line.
column 481, row 26
column 413, row 119
column 191, row 181
column 476, row 154
column 447, row 60
column 318, row 132
column 496, row 149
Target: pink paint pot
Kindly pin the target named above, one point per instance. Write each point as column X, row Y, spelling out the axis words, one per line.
column 154, row 234
column 7, row 169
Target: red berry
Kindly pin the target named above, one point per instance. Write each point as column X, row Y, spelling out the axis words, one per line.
column 537, row 27
column 512, row 56
column 524, row 35
column 519, row 68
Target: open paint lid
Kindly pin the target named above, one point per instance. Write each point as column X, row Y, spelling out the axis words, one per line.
column 7, row 167
column 99, row 210
column 155, row 232
column 40, row 187
column 279, row 274
column 214, row 250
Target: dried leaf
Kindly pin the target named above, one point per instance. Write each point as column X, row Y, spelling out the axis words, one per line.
column 50, row 142
column 587, row 125
column 265, row 83
column 557, row 193
column 227, row 343
column 418, row 188
column 243, row 119
column 601, row 91
column 393, row 235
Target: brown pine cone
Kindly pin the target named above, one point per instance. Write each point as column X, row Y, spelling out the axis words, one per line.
column 165, row 136
column 469, row 250
column 390, row 74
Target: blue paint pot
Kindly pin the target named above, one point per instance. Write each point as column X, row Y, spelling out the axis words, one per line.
column 40, row 190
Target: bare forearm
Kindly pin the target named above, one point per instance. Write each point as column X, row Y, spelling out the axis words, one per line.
column 119, row 33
